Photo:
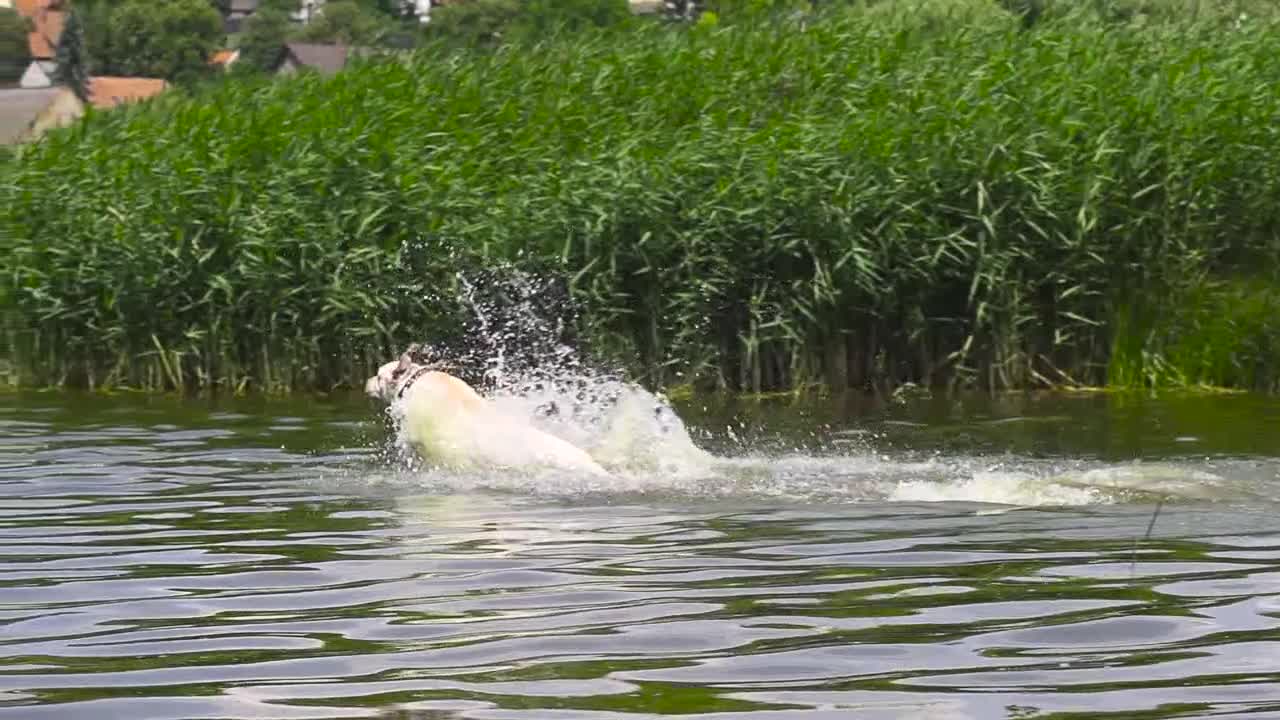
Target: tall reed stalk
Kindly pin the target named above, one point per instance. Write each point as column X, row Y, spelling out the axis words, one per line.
column 852, row 199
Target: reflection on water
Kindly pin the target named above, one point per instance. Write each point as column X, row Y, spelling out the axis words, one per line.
column 162, row 560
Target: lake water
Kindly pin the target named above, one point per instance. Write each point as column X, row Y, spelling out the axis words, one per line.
column 981, row 558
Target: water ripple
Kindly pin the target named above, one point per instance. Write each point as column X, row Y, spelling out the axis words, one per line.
column 205, row 567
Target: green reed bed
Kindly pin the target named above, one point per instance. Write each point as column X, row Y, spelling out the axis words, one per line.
column 848, row 199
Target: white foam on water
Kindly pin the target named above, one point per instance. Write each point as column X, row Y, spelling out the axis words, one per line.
column 1162, row 479
column 1000, row 488
column 644, row 468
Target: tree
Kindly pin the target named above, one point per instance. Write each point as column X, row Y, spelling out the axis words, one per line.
column 15, row 51
column 284, row 6
column 73, row 57
column 473, row 22
column 488, row 21
column 389, row 8
column 263, row 41
column 99, row 43
column 542, row 16
column 344, row 22
column 173, row 40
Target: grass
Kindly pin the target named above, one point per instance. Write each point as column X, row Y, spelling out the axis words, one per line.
column 863, row 197
column 1217, row 334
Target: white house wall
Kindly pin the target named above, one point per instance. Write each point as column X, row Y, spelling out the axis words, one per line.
column 35, row 77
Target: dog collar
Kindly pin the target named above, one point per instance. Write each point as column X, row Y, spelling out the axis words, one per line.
column 413, row 377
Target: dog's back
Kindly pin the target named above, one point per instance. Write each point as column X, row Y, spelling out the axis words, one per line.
column 449, row 424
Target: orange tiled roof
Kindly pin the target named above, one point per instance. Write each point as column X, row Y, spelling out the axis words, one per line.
column 222, row 57
column 51, row 25
column 41, row 49
column 47, row 20
column 108, row 92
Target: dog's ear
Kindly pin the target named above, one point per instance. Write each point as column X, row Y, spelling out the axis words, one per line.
column 406, row 362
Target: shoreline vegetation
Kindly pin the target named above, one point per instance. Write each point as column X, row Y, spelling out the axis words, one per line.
column 945, row 194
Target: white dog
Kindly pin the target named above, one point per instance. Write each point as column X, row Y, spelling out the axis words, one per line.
column 450, row 425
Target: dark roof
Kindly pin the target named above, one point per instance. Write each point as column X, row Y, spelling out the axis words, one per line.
column 19, row 108
column 327, row 59
column 244, row 6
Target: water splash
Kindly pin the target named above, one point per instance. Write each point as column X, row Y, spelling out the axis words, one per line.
column 519, row 348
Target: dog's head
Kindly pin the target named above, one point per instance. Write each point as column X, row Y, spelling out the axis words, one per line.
column 386, row 383
column 391, row 376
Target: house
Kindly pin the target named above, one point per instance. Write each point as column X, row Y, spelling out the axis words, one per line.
column 237, row 11
column 224, row 59
column 47, row 18
column 307, row 9
column 27, row 113
column 327, row 59
column 422, row 10
column 39, row 74
column 107, row 92
column 324, row 59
